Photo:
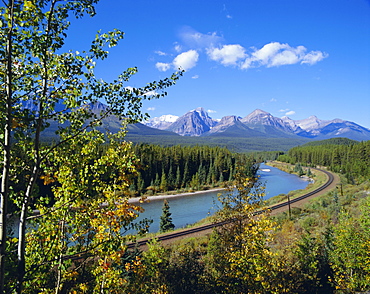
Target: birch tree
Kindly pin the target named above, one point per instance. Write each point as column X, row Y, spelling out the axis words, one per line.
column 240, row 258
column 41, row 85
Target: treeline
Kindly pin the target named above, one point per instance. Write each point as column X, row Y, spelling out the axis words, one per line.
column 261, row 156
column 351, row 160
column 332, row 141
column 235, row 144
column 182, row 167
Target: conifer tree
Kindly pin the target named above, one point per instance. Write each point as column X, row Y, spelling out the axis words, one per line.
column 171, row 178
column 140, row 184
column 195, row 182
column 166, row 219
column 157, row 182
column 178, row 178
column 163, row 185
column 186, row 175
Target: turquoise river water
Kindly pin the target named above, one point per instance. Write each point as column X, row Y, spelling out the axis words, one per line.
column 189, row 209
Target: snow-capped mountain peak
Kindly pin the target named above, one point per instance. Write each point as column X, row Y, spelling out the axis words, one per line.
column 310, row 123
column 257, row 116
column 197, row 122
column 193, row 123
column 161, row 122
column 167, row 118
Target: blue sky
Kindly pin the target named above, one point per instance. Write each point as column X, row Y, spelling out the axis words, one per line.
column 287, row 57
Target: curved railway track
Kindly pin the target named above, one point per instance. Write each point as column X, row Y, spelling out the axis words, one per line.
column 327, row 184
column 210, row 226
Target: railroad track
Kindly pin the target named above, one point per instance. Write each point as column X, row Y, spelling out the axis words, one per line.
column 327, row 184
column 210, row 226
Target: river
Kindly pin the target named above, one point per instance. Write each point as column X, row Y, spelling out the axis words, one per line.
column 189, row 209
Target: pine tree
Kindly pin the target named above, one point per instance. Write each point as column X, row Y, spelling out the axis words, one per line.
column 171, row 178
column 195, row 182
column 166, row 219
column 157, row 182
column 178, row 178
column 140, row 184
column 163, row 185
column 221, row 179
column 186, row 176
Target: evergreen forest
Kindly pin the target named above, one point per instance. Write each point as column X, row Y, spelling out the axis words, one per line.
column 185, row 168
column 352, row 160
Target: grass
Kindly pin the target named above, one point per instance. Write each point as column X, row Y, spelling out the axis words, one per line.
column 322, row 211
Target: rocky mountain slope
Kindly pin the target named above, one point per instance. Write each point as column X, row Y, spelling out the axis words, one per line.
column 193, row 123
column 259, row 123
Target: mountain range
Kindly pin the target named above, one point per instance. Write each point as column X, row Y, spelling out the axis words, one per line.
column 259, row 123
column 257, row 131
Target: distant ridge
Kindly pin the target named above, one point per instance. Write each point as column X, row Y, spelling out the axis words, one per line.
column 257, row 131
column 260, row 123
column 332, row 141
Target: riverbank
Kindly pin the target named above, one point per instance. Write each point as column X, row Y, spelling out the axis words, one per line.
column 319, row 178
column 278, row 165
column 162, row 197
column 202, row 228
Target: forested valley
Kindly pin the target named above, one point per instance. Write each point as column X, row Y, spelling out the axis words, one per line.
column 64, row 206
column 321, row 247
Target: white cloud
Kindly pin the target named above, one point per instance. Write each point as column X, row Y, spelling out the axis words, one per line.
column 273, row 54
column 211, row 111
column 314, row 57
column 227, row 12
column 178, row 48
column 195, row 77
column 287, row 57
column 186, row 60
column 273, row 100
column 266, row 53
column 150, row 108
column 227, row 55
column 277, row 54
column 291, row 112
column 150, row 93
column 160, row 53
column 161, row 66
column 284, row 110
column 195, row 39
